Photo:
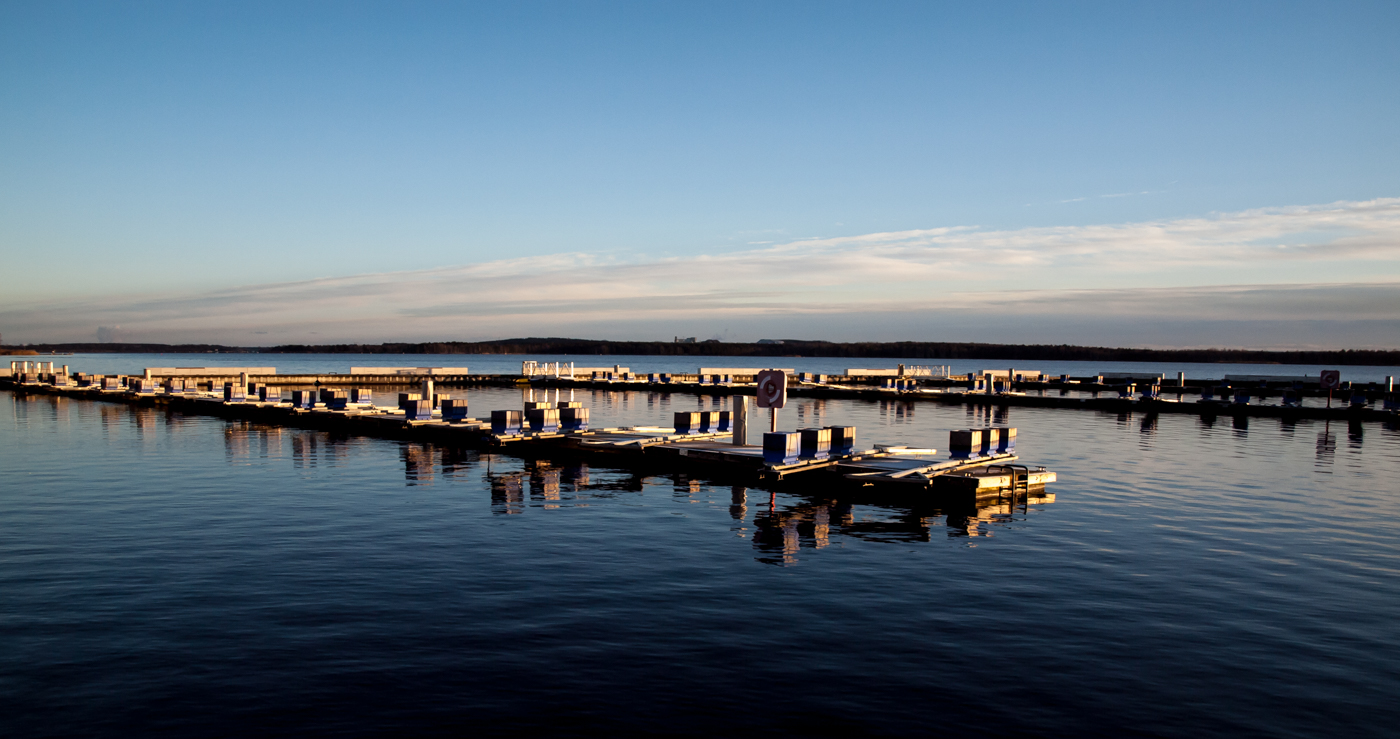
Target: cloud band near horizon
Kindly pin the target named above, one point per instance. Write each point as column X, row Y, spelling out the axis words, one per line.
column 1303, row 276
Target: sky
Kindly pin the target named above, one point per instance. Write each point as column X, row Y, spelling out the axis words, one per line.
column 1126, row 174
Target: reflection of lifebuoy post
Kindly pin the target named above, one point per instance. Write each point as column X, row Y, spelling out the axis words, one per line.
column 772, row 394
column 1330, row 380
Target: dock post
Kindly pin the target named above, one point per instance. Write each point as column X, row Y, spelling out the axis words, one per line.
column 65, row 370
column 428, row 390
column 243, row 380
column 740, row 420
column 1181, row 379
column 1390, row 383
column 1010, row 379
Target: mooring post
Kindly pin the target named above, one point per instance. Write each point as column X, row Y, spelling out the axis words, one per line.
column 243, row 378
column 428, row 390
column 1390, row 383
column 740, row 421
column 1181, row 379
column 1010, row 379
column 65, row 370
column 147, row 374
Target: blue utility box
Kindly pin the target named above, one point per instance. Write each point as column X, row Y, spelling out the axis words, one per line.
column 574, row 418
column 416, row 410
column 454, row 409
column 507, row 423
column 543, row 420
column 781, row 447
column 687, row 423
column 814, row 443
column 843, row 439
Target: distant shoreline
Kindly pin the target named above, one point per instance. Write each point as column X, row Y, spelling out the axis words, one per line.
column 787, row 348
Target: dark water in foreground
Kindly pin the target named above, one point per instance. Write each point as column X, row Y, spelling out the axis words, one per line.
column 172, row 575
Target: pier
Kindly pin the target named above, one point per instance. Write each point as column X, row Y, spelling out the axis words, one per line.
column 981, row 462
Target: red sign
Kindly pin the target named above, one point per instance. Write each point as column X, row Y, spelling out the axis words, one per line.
column 1331, row 379
column 772, row 388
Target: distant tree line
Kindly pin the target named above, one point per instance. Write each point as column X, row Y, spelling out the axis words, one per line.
column 788, row 348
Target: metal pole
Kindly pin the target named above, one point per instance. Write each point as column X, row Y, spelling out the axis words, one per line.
column 773, row 420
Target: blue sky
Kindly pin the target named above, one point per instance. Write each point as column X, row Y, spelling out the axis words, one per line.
column 156, row 154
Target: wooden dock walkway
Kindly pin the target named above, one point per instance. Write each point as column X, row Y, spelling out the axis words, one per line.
column 986, row 472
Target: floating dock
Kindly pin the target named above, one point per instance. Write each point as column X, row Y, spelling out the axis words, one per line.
column 983, row 463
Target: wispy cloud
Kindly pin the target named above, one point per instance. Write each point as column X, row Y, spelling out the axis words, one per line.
column 952, row 272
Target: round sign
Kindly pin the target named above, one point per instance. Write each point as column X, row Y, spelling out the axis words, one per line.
column 772, row 388
column 1331, row 379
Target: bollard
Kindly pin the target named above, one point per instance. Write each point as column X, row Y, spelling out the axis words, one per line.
column 740, row 420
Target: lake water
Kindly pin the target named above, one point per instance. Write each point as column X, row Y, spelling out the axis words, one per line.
column 170, row 575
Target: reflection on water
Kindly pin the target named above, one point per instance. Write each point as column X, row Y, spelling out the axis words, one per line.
column 783, row 529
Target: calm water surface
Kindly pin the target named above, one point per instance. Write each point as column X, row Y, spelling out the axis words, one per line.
column 173, row 575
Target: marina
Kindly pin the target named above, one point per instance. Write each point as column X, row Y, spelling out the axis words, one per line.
column 982, row 463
